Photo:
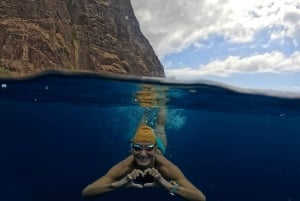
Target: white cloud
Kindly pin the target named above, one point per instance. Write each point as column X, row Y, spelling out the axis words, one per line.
column 172, row 25
column 273, row 62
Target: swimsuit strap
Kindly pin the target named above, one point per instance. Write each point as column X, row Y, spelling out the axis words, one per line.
column 160, row 145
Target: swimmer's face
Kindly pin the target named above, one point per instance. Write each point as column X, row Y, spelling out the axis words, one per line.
column 144, row 154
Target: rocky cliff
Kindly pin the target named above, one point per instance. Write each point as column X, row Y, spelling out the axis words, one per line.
column 73, row 35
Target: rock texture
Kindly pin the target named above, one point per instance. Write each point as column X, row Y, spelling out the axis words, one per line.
column 75, row 35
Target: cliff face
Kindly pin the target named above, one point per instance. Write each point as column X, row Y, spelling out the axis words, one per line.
column 75, row 35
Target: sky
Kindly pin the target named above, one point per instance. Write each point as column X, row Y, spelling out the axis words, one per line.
column 249, row 44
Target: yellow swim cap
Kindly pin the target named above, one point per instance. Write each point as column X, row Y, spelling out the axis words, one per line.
column 144, row 134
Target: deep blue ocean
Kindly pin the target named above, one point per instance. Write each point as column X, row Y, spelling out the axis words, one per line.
column 61, row 132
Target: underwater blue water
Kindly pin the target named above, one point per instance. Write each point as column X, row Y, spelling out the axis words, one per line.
column 61, row 132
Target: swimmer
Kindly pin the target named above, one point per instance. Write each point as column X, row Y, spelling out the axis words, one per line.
column 146, row 167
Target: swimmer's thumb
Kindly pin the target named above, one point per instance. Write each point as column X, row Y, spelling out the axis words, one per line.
column 153, row 184
column 136, row 185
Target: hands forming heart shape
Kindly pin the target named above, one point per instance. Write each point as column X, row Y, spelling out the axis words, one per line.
column 147, row 178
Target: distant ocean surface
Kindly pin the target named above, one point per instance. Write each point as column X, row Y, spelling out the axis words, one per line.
column 60, row 132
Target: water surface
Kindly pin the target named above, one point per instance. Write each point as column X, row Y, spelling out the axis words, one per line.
column 60, row 132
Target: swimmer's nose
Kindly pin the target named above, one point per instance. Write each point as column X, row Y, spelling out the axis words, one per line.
column 143, row 152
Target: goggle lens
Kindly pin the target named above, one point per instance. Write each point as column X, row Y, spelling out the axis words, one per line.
column 138, row 148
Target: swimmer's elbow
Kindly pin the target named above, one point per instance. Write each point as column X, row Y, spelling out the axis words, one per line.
column 84, row 193
column 203, row 198
column 87, row 192
column 200, row 197
column 92, row 191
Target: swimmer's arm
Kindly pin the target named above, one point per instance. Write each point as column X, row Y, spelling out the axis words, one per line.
column 109, row 181
column 185, row 188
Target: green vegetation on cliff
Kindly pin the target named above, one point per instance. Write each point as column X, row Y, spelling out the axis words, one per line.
column 3, row 72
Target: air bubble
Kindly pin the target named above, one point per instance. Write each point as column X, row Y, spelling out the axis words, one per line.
column 3, row 86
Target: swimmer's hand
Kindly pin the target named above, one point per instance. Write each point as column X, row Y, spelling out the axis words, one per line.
column 158, row 179
column 129, row 180
column 132, row 176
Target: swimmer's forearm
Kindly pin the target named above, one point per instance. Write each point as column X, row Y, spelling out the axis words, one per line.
column 93, row 191
column 188, row 193
column 96, row 189
column 119, row 184
column 164, row 183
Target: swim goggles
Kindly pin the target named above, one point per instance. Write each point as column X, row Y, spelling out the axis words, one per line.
column 138, row 147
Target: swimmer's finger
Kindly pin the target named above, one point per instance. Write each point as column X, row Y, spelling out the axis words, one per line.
column 135, row 185
column 150, row 184
column 140, row 173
